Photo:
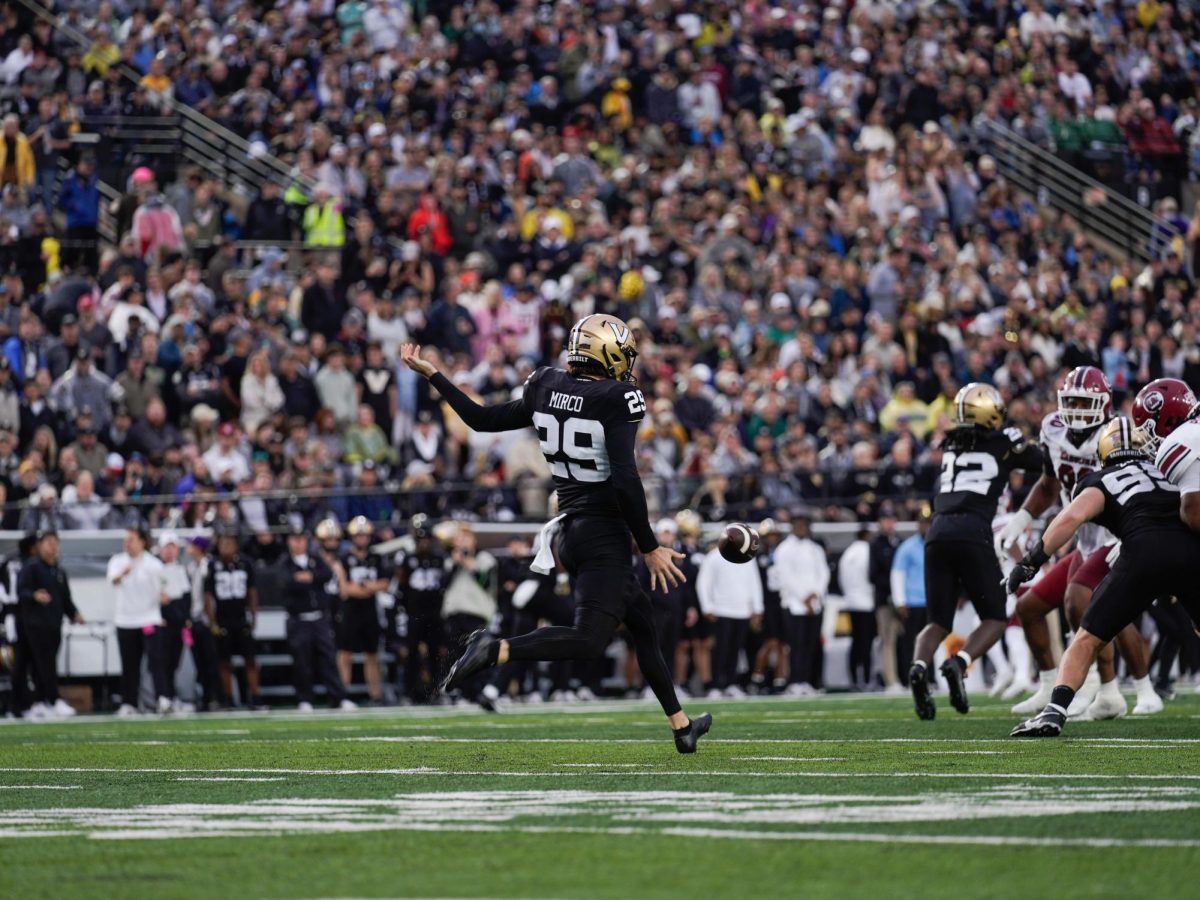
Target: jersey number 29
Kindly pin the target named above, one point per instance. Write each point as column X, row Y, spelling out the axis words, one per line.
column 968, row 472
column 581, row 441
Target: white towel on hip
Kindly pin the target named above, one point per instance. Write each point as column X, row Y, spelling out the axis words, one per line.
column 543, row 546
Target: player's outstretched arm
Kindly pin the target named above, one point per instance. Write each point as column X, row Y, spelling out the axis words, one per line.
column 509, row 416
column 1087, row 504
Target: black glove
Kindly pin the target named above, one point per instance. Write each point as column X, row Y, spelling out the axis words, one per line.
column 1026, row 568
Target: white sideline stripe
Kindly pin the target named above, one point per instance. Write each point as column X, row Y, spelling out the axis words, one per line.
column 790, row 758
column 423, row 770
column 962, row 752
column 39, row 787
column 246, row 778
column 982, row 839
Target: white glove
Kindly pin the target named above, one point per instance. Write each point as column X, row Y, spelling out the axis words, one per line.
column 1012, row 532
column 1113, row 555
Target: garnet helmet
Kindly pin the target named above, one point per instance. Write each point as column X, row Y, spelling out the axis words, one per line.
column 1085, row 399
column 1161, row 407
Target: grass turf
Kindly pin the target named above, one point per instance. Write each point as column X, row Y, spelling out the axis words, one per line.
column 833, row 796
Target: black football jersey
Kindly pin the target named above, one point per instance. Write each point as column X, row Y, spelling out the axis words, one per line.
column 975, row 467
column 423, row 579
column 1138, row 499
column 574, row 418
column 360, row 570
column 230, row 584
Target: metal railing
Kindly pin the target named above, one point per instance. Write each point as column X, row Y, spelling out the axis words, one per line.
column 221, row 153
column 1106, row 213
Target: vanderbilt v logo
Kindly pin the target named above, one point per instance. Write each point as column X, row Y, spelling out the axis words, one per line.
column 620, row 331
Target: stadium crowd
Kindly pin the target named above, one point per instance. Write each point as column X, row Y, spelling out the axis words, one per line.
column 794, row 206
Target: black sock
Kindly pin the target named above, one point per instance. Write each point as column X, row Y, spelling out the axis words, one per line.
column 684, row 730
column 494, row 653
column 1062, row 696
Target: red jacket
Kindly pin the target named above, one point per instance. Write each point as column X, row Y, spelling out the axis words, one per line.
column 1154, row 137
column 438, row 225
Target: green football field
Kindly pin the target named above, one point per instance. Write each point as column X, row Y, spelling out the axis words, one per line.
column 841, row 797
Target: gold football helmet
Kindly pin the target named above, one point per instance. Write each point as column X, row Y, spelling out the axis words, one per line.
column 604, row 340
column 329, row 530
column 360, row 525
column 979, row 404
column 1121, row 441
column 689, row 523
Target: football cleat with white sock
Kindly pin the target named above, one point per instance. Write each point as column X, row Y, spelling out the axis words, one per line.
column 1085, row 695
column 1109, row 704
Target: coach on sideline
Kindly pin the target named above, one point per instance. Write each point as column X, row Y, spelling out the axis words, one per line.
column 44, row 598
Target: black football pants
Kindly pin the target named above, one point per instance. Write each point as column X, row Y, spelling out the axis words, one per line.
column 598, row 554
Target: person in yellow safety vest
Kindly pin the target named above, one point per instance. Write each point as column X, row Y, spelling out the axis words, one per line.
column 324, row 224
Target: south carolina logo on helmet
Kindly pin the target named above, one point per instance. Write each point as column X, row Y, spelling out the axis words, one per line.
column 1085, row 399
column 1161, row 407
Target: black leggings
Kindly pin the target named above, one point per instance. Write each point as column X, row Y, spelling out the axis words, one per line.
column 591, row 634
column 1176, row 637
column 804, row 640
column 133, row 643
column 862, row 637
column 731, row 637
column 37, row 655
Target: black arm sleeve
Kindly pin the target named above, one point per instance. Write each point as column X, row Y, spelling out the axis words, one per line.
column 619, row 438
column 69, row 608
column 509, row 416
column 26, row 585
column 1029, row 458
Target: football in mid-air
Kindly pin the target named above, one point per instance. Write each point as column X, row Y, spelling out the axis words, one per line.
column 738, row 543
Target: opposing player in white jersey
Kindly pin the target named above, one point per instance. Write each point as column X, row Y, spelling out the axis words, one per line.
column 1168, row 413
column 1069, row 439
column 1014, row 679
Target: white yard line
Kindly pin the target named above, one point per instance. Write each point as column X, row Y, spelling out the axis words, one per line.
column 39, row 787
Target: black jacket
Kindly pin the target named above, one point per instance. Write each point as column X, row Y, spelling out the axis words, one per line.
column 35, row 576
column 300, row 597
column 883, row 548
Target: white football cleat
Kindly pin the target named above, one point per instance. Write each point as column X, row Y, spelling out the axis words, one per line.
column 1033, row 705
column 1003, row 680
column 164, row 705
column 38, row 710
column 304, row 706
column 63, row 708
column 733, row 692
column 1085, row 695
column 126, row 711
column 1017, row 688
column 347, row 704
column 1148, row 705
column 585, row 694
column 681, row 692
column 1107, row 705
column 714, row 694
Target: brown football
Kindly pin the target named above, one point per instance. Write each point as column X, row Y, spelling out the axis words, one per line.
column 738, row 543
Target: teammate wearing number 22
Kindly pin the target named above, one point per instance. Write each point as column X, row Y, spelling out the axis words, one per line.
column 977, row 457
column 586, row 419
column 1132, row 499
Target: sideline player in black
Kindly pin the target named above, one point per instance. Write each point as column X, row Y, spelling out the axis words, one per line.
column 231, row 604
column 587, row 420
column 1132, row 499
column 421, row 583
column 977, row 458
column 357, row 620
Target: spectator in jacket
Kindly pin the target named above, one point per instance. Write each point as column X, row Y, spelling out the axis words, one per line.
column 908, row 589
column 335, row 387
column 17, row 166
column 731, row 598
column 84, row 389
column 804, row 581
column 79, row 199
column 157, row 227
column 268, row 219
column 858, row 599
column 261, row 395
column 81, row 507
column 44, row 600
column 883, row 549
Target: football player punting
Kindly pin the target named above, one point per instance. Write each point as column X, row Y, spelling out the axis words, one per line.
column 587, row 420
column 1131, row 498
column 1069, row 440
column 977, row 457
